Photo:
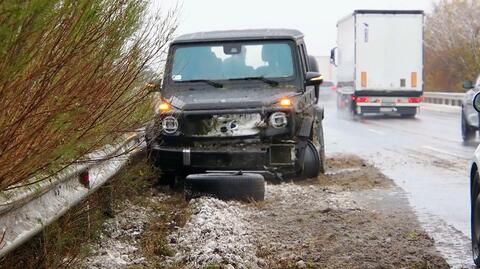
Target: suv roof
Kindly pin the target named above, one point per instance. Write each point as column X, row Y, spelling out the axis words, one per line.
column 257, row 34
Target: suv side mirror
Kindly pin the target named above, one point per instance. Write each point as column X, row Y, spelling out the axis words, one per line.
column 154, row 86
column 467, row 84
column 313, row 79
column 476, row 102
column 312, row 64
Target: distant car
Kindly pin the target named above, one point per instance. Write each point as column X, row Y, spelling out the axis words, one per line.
column 475, row 193
column 470, row 119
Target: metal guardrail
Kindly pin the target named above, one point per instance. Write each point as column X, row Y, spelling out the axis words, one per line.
column 26, row 211
column 444, row 98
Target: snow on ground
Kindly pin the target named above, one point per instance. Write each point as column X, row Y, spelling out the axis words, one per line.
column 218, row 233
column 228, row 233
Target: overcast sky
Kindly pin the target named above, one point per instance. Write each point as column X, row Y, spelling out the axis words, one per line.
column 315, row 18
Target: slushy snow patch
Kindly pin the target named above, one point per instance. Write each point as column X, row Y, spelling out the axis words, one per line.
column 218, row 233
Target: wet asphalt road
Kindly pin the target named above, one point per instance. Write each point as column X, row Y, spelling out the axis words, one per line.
column 425, row 156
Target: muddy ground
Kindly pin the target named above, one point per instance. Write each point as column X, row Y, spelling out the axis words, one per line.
column 352, row 217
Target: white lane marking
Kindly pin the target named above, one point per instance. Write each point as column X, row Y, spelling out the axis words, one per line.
column 444, row 152
column 376, row 132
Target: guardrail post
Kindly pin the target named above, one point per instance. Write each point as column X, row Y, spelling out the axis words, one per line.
column 108, row 201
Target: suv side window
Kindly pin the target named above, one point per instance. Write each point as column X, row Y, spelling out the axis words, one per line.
column 304, row 58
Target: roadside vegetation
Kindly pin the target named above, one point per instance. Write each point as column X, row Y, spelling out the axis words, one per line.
column 452, row 44
column 72, row 76
column 108, row 218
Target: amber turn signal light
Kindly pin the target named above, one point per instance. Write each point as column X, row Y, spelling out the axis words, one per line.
column 164, row 106
column 286, row 102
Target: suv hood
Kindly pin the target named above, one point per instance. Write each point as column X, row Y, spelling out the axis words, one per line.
column 206, row 99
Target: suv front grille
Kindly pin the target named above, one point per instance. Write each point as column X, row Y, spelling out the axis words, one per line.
column 229, row 125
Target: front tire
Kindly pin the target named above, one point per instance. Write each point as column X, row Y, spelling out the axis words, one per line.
column 475, row 219
column 321, row 152
column 468, row 133
column 311, row 162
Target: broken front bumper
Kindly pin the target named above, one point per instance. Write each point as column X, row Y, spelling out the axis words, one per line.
column 262, row 158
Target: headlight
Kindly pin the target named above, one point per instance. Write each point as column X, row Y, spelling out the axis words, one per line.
column 170, row 125
column 278, row 120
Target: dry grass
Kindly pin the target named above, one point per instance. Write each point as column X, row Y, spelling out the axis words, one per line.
column 173, row 213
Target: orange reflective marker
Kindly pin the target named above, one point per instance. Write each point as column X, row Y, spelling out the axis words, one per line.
column 414, row 79
column 364, row 79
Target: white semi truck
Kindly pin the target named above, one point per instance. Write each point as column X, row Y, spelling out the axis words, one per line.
column 379, row 58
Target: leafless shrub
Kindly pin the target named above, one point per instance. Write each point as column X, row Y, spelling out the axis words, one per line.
column 72, row 76
column 452, row 44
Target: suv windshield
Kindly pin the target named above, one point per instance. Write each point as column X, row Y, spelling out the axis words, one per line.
column 232, row 61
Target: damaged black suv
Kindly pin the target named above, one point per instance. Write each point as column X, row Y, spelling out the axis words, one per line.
column 239, row 101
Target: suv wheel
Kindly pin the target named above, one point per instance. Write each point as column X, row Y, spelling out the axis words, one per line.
column 321, row 152
column 311, row 162
column 317, row 139
column 226, row 186
column 475, row 219
column 468, row 133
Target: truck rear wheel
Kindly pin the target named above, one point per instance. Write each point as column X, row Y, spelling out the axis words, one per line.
column 408, row 116
column 226, row 186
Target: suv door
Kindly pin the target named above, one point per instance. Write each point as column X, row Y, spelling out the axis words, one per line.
column 471, row 114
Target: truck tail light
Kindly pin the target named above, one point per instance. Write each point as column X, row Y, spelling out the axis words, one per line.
column 364, row 79
column 415, row 100
column 363, row 100
column 414, row 79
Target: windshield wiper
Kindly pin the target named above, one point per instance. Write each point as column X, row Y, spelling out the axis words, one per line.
column 270, row 82
column 209, row 82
